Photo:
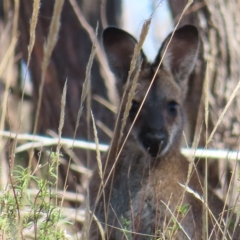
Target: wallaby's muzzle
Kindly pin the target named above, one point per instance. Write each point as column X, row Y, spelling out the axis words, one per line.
column 154, row 141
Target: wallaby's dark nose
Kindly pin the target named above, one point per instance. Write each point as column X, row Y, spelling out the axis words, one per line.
column 154, row 140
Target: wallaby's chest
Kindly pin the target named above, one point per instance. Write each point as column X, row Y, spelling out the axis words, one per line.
column 150, row 201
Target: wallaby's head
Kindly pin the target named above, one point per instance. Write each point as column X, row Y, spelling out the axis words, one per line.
column 159, row 124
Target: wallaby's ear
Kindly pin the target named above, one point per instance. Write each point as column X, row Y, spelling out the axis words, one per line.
column 181, row 53
column 119, row 47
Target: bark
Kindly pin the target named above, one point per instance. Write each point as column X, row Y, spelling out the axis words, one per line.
column 219, row 28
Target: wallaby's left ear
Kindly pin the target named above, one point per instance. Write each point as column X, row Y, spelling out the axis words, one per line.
column 181, row 53
column 119, row 48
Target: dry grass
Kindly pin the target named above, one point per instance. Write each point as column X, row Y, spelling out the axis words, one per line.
column 48, row 48
column 9, row 183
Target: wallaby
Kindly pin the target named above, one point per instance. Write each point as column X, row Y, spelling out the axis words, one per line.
column 142, row 197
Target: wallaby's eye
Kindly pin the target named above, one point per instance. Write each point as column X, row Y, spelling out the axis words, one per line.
column 172, row 108
column 135, row 106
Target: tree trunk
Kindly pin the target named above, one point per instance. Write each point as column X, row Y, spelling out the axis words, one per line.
column 219, row 28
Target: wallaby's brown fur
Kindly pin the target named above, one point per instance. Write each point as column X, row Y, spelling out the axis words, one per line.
column 143, row 199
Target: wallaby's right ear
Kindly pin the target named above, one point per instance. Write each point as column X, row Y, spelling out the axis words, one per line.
column 181, row 54
column 119, row 47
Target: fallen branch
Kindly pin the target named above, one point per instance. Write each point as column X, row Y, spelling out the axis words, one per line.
column 40, row 141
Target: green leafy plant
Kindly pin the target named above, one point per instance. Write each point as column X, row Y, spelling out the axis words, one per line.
column 37, row 217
